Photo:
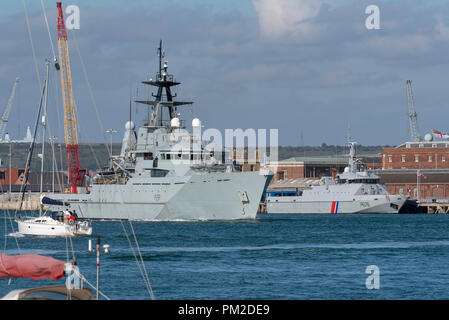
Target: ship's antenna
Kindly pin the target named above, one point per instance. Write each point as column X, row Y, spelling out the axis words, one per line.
column 348, row 133
column 130, row 101
column 161, row 55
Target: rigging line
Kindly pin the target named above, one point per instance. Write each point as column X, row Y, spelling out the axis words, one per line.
column 143, row 270
column 84, row 133
column 12, row 228
column 32, row 44
column 145, row 279
column 6, row 225
column 83, row 278
column 83, row 67
column 140, row 254
column 49, row 33
column 54, row 163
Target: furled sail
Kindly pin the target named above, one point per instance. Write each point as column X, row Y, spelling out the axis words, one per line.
column 47, row 200
column 32, row 266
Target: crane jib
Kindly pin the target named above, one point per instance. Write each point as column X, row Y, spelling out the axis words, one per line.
column 76, row 175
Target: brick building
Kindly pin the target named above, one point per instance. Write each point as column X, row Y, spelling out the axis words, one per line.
column 58, row 180
column 400, row 168
column 307, row 167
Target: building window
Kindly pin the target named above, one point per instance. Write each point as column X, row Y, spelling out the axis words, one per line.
column 282, row 175
column 2, row 175
column 403, row 158
column 416, row 158
column 443, row 159
column 430, row 158
column 390, row 158
column 401, row 190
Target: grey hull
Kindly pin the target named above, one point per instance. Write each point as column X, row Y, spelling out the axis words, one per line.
column 216, row 196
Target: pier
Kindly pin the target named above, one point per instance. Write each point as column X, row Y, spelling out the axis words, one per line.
column 435, row 206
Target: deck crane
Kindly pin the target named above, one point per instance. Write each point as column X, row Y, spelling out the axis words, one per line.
column 76, row 175
column 5, row 116
column 412, row 115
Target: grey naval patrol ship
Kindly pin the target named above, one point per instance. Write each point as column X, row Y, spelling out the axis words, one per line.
column 152, row 180
column 353, row 191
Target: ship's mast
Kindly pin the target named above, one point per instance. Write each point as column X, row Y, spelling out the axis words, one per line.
column 352, row 166
column 163, row 81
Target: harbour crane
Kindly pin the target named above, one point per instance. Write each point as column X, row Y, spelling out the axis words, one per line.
column 412, row 115
column 5, row 116
column 76, row 175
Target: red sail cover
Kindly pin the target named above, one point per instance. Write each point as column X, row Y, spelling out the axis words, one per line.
column 31, row 266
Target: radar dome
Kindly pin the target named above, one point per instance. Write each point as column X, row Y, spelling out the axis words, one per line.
column 428, row 137
column 196, row 122
column 175, row 122
column 129, row 125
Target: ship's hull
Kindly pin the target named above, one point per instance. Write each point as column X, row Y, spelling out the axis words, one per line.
column 213, row 196
column 379, row 204
column 44, row 226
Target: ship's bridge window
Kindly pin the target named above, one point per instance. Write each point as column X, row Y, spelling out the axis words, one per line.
column 148, row 156
column 158, row 173
column 284, row 193
column 368, row 181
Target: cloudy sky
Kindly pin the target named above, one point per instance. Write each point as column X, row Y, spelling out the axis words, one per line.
column 307, row 66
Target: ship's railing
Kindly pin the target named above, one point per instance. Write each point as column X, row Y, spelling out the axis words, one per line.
column 165, row 123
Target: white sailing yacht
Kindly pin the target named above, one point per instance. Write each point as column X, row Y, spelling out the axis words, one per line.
column 61, row 223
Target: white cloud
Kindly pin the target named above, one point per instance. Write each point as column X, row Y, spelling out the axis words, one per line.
column 287, row 19
column 442, row 30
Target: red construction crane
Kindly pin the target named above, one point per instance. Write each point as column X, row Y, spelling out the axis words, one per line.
column 76, row 175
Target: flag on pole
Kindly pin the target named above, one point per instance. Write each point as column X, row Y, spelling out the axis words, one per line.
column 439, row 134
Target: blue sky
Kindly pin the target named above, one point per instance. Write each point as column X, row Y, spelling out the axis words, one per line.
column 306, row 66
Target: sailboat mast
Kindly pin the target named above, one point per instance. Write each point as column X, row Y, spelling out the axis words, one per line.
column 30, row 151
column 44, row 123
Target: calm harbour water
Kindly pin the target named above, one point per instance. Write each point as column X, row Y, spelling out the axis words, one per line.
column 273, row 257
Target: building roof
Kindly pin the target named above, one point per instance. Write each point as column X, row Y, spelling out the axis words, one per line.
column 425, row 144
column 317, row 159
